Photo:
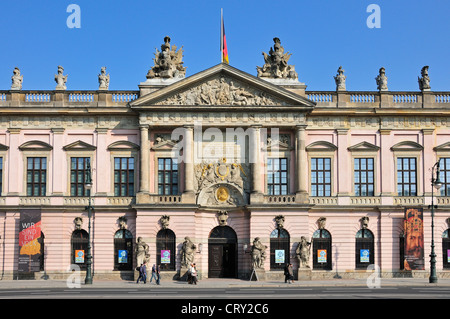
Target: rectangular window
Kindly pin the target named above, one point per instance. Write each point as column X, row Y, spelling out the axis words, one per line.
column 320, row 176
column 277, row 172
column 36, row 176
column 444, row 176
column 364, row 176
column 78, row 166
column 124, row 176
column 167, row 176
column 406, row 176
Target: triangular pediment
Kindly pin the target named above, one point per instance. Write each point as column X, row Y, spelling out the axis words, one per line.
column 222, row 86
column 442, row 148
column 364, row 147
column 79, row 146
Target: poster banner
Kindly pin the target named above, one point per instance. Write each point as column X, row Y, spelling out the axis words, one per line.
column 79, row 256
column 364, row 255
column 279, row 256
column 322, row 255
column 29, row 241
column 123, row 256
column 165, row 256
column 414, row 245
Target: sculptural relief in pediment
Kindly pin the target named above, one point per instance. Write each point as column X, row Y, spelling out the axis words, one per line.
column 222, row 91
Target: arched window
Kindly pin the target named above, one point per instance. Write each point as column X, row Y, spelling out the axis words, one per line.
column 123, row 250
column 165, row 249
column 41, row 261
column 80, row 239
column 279, row 248
column 446, row 248
column 322, row 249
column 364, row 249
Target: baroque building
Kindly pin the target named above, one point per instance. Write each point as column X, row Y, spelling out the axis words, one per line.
column 229, row 170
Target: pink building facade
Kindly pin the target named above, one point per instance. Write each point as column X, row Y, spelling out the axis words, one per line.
column 337, row 169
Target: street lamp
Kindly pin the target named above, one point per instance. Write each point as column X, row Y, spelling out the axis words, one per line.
column 436, row 183
column 88, row 187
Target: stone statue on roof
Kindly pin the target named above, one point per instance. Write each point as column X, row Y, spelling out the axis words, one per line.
column 381, row 80
column 103, row 79
column 276, row 63
column 61, row 79
column 168, row 62
column 424, row 81
column 17, row 80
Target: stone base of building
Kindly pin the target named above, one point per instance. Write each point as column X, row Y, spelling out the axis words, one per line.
column 262, row 275
column 304, row 274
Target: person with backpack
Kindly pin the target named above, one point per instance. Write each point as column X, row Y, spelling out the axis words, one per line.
column 142, row 273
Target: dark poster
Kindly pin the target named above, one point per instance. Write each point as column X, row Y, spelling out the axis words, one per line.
column 414, row 250
column 29, row 246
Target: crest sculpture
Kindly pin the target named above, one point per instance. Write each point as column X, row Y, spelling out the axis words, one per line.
column 276, row 63
column 221, row 183
column 168, row 62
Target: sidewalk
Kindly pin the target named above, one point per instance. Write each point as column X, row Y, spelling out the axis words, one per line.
column 225, row 283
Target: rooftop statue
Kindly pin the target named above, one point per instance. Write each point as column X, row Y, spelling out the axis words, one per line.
column 168, row 62
column 103, row 79
column 276, row 63
column 382, row 80
column 424, row 81
column 17, row 80
column 340, row 79
column 61, row 79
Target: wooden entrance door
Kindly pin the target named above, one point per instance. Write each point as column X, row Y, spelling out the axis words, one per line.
column 222, row 261
column 222, row 253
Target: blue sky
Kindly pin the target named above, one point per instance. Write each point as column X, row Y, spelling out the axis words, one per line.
column 320, row 34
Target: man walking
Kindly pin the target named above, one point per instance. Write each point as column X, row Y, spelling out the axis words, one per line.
column 142, row 273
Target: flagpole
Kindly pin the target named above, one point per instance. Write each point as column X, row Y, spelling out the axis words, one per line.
column 221, row 35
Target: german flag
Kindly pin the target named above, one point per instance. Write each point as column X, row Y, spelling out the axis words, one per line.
column 223, row 41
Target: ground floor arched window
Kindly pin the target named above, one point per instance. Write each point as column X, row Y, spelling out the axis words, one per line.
column 322, row 250
column 279, row 248
column 41, row 243
column 123, row 250
column 165, row 249
column 446, row 249
column 364, row 249
column 80, row 241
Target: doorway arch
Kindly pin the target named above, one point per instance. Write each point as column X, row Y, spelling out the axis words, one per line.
column 222, row 253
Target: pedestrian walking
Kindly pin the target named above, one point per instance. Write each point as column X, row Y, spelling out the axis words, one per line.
column 154, row 274
column 288, row 274
column 158, row 274
column 194, row 274
column 189, row 274
column 142, row 273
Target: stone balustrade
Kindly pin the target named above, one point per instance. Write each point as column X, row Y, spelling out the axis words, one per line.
column 386, row 99
column 344, row 99
column 67, row 98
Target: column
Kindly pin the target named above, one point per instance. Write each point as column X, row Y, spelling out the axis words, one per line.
column 344, row 183
column 15, row 176
column 429, row 159
column 188, row 195
column 301, row 164
column 58, row 161
column 386, row 167
column 144, row 160
column 255, row 160
column 102, row 157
